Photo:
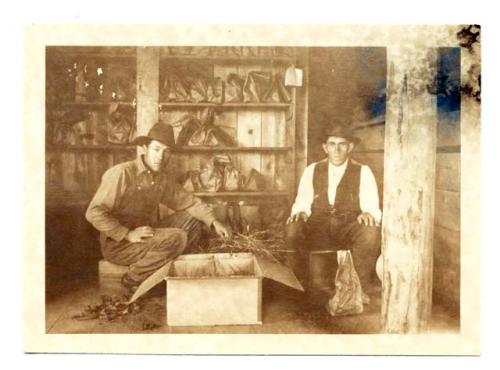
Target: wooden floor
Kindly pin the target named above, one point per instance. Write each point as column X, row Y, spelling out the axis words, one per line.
column 283, row 313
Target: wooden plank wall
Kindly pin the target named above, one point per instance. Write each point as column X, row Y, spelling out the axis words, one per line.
column 446, row 278
column 251, row 128
column 73, row 175
column 447, row 215
column 370, row 151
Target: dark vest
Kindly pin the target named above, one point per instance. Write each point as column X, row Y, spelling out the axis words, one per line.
column 347, row 194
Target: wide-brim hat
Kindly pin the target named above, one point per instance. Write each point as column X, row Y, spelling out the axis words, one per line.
column 162, row 132
column 340, row 130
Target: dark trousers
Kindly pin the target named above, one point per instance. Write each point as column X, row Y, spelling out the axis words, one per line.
column 175, row 234
column 324, row 232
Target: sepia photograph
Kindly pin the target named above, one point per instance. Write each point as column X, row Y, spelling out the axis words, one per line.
column 306, row 189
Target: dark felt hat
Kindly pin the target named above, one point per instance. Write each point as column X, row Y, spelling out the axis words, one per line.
column 340, row 130
column 162, row 132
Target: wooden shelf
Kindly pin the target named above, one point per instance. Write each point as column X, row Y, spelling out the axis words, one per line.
column 82, row 199
column 90, row 148
column 82, row 55
column 241, row 194
column 185, row 149
column 131, row 57
column 190, row 149
column 97, row 105
column 180, row 105
column 184, row 105
column 231, row 59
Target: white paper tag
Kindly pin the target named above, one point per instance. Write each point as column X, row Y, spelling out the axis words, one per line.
column 293, row 76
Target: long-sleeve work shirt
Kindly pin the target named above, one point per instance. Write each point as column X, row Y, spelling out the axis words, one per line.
column 130, row 194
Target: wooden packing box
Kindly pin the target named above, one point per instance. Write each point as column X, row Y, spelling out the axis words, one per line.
column 216, row 288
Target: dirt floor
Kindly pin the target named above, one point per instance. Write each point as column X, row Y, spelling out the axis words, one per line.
column 284, row 311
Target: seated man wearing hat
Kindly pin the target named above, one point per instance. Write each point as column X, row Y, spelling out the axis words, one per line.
column 337, row 207
column 125, row 210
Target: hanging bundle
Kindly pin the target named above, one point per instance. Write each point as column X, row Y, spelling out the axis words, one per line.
column 69, row 127
column 198, row 89
column 189, row 125
column 120, row 129
column 176, row 90
column 263, row 87
column 192, row 181
column 277, row 92
column 215, row 92
column 211, row 176
column 120, row 83
column 255, row 181
column 233, row 89
column 208, row 133
column 218, row 174
column 257, row 86
column 232, row 178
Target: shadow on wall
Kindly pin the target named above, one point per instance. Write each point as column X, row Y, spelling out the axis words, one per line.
column 347, row 84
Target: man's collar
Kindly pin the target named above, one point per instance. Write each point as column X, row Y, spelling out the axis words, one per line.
column 340, row 168
column 141, row 165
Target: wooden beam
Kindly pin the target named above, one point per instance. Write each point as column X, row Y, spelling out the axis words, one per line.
column 409, row 178
column 148, row 92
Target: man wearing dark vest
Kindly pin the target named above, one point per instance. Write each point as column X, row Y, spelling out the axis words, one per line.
column 337, row 207
column 125, row 209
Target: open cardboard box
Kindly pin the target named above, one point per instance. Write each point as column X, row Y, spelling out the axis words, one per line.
column 216, row 288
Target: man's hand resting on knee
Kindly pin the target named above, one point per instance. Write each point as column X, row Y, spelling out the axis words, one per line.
column 139, row 234
column 367, row 219
column 296, row 217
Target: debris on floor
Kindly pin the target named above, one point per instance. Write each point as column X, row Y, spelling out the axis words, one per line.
column 111, row 308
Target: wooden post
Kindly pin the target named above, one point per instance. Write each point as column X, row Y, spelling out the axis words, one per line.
column 148, row 91
column 301, row 113
column 409, row 180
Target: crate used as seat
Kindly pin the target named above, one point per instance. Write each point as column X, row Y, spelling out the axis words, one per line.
column 110, row 275
column 322, row 269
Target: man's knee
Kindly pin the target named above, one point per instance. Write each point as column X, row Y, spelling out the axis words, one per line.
column 368, row 235
column 171, row 239
column 294, row 231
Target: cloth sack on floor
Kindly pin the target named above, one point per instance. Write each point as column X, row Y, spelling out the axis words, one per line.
column 348, row 297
